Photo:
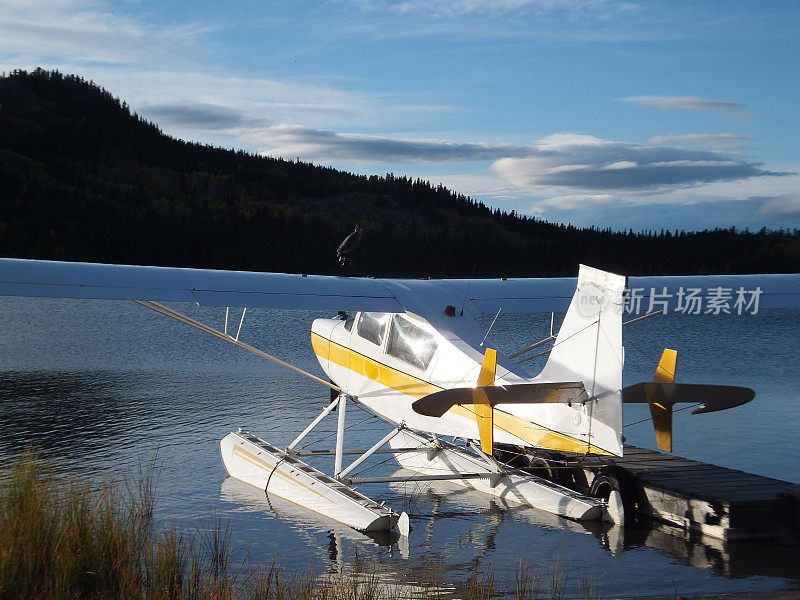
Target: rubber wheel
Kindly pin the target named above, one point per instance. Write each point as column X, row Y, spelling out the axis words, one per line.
column 603, row 485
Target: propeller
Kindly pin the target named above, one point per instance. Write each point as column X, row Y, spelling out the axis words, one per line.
column 485, row 396
column 663, row 393
column 711, row 397
column 438, row 403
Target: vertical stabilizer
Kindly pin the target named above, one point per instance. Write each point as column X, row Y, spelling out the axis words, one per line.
column 589, row 349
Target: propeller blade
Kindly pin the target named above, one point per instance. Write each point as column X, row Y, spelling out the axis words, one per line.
column 662, row 413
column 484, row 412
column 712, row 397
column 438, row 403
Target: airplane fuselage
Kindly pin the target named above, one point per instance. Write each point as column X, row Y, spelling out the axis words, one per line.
column 389, row 360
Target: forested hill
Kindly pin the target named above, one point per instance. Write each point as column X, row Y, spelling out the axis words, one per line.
column 82, row 178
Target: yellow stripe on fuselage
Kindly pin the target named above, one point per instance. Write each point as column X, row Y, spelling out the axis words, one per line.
column 417, row 388
column 362, row 365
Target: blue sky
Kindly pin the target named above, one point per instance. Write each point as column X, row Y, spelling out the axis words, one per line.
column 642, row 115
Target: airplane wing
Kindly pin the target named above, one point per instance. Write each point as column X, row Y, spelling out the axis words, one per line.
column 21, row 277
column 42, row 278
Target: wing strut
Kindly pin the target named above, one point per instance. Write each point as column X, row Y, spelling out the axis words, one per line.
column 174, row 314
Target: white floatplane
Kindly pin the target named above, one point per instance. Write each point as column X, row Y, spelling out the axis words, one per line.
column 410, row 352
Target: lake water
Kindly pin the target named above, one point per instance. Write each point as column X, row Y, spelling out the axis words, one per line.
column 102, row 385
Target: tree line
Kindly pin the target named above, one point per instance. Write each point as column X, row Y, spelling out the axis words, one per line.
column 84, row 178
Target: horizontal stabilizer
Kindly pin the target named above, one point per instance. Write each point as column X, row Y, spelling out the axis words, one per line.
column 711, row 397
column 438, row 403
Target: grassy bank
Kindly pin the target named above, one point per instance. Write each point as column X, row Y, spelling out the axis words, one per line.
column 61, row 537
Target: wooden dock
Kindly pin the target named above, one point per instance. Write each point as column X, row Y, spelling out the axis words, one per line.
column 716, row 501
column 697, row 497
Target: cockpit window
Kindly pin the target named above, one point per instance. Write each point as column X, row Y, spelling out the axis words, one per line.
column 410, row 343
column 372, row 327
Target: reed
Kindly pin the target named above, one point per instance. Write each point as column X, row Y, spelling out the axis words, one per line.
column 65, row 538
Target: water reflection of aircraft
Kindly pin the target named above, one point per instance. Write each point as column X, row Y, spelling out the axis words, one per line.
column 410, row 352
column 731, row 559
column 251, row 498
column 739, row 559
column 488, row 513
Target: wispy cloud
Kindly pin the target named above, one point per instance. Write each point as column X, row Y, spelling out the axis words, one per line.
column 198, row 115
column 446, row 8
column 325, row 146
column 714, row 141
column 91, row 31
column 593, row 21
column 587, row 163
column 566, row 171
column 571, row 202
column 684, row 103
column 189, row 103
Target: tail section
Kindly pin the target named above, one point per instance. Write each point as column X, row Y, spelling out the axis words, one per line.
column 588, row 348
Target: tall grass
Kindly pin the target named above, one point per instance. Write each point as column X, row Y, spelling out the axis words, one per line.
column 65, row 538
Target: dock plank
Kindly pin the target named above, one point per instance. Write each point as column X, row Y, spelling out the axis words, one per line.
column 752, row 505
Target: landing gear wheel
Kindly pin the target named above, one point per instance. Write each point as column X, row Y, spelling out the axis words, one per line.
column 603, row 485
column 607, row 483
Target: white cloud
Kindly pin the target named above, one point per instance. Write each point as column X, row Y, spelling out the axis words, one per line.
column 583, row 163
column 782, row 206
column 70, row 31
column 256, row 99
column 166, row 72
column 591, row 164
column 620, row 164
column 572, row 202
column 562, row 171
column 171, row 73
column 557, row 141
column 753, row 202
column 162, row 71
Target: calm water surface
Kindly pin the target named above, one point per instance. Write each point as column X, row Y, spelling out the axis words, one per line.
column 102, row 385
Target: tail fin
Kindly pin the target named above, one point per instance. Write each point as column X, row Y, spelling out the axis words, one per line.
column 588, row 348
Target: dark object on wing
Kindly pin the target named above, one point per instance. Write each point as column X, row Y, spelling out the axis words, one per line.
column 349, row 244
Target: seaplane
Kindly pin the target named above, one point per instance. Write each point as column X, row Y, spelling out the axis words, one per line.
column 411, row 352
